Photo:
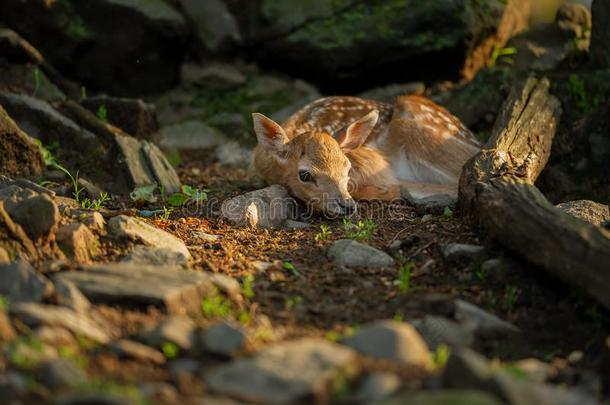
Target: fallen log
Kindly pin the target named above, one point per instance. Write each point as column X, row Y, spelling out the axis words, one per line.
column 497, row 192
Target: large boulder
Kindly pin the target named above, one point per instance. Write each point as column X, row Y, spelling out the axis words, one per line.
column 20, row 154
column 123, row 46
column 354, row 41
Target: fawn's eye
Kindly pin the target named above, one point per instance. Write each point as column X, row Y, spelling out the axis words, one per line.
column 305, row 176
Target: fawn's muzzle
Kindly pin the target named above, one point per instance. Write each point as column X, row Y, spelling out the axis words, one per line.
column 346, row 207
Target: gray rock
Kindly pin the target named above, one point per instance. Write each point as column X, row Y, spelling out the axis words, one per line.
column 469, row 370
column 61, row 373
column 77, row 242
column 215, row 26
column 215, row 76
column 161, row 169
column 36, row 213
column 55, row 336
column 436, row 202
column 94, row 221
column 153, row 36
column 134, row 116
column 291, row 224
column 21, row 156
column 391, row 340
column 140, row 232
column 20, row 283
column 12, row 385
column 438, row 330
column 349, row 253
column 155, row 256
column 266, row 208
column 80, row 324
column 284, row 373
column 68, row 295
column 377, row 386
column 223, row 339
column 482, row 322
column 184, row 366
column 25, row 184
column 136, row 350
column 190, row 135
column 590, row 211
column 175, row 329
column 455, row 252
column 444, row 397
column 175, row 290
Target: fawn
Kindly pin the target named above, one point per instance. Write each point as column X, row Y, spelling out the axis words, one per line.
column 340, row 149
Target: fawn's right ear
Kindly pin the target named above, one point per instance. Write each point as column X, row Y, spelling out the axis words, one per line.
column 270, row 134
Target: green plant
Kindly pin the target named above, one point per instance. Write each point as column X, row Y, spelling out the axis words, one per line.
column 26, row 352
column 126, row 391
column 511, row 294
column 447, row 214
column 247, row 286
column 186, row 194
column 95, row 204
column 36, row 73
column 360, row 231
column 584, row 101
column 441, row 355
column 290, row 267
column 73, row 354
column 102, row 113
column 325, row 231
column 404, row 276
column 292, row 302
column 500, row 52
column 83, row 92
column 170, row 350
column 215, row 305
column 50, row 160
column 166, row 213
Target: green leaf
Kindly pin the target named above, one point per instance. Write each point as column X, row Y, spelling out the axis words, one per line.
column 177, row 199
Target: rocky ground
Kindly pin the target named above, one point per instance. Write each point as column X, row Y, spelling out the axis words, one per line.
column 132, row 273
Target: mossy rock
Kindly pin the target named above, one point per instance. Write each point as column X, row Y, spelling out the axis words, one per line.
column 362, row 41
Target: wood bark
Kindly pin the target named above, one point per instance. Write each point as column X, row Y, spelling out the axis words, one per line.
column 497, row 192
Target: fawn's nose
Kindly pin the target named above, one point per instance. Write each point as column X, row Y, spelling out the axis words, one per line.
column 347, row 207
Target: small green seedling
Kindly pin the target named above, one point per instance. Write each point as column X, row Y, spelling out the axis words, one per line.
column 166, row 213
column 360, row 231
column 102, row 113
column 95, row 204
column 404, row 277
column 186, row 194
column 292, row 302
column 504, row 53
column 441, row 355
column 511, row 294
column 3, row 303
column 170, row 350
column 447, row 214
column 36, row 74
column 325, row 231
column 293, row 270
column 215, row 305
column 247, row 286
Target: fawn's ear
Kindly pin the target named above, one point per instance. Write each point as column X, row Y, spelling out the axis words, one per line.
column 269, row 133
column 355, row 134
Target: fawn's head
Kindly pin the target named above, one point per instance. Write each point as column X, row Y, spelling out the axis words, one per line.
column 313, row 164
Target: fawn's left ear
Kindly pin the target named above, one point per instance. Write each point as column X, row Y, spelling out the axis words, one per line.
column 269, row 133
column 355, row 134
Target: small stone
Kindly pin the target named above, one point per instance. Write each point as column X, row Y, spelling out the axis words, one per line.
column 190, row 135
column 291, row 224
column 68, row 295
column 148, row 255
column 80, row 324
column 455, row 252
column 20, row 283
column 173, row 289
column 176, row 329
column 135, row 350
column 77, row 242
column 391, row 340
column 12, row 385
column 95, row 221
column 206, row 237
column 437, row 330
column 216, row 76
column 54, row 335
column 7, row 333
column 482, row 322
column 349, row 253
column 61, row 373
column 223, row 339
column 37, row 214
column 266, row 208
column 590, row 211
column 139, row 231
column 377, row 386
column 284, row 373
